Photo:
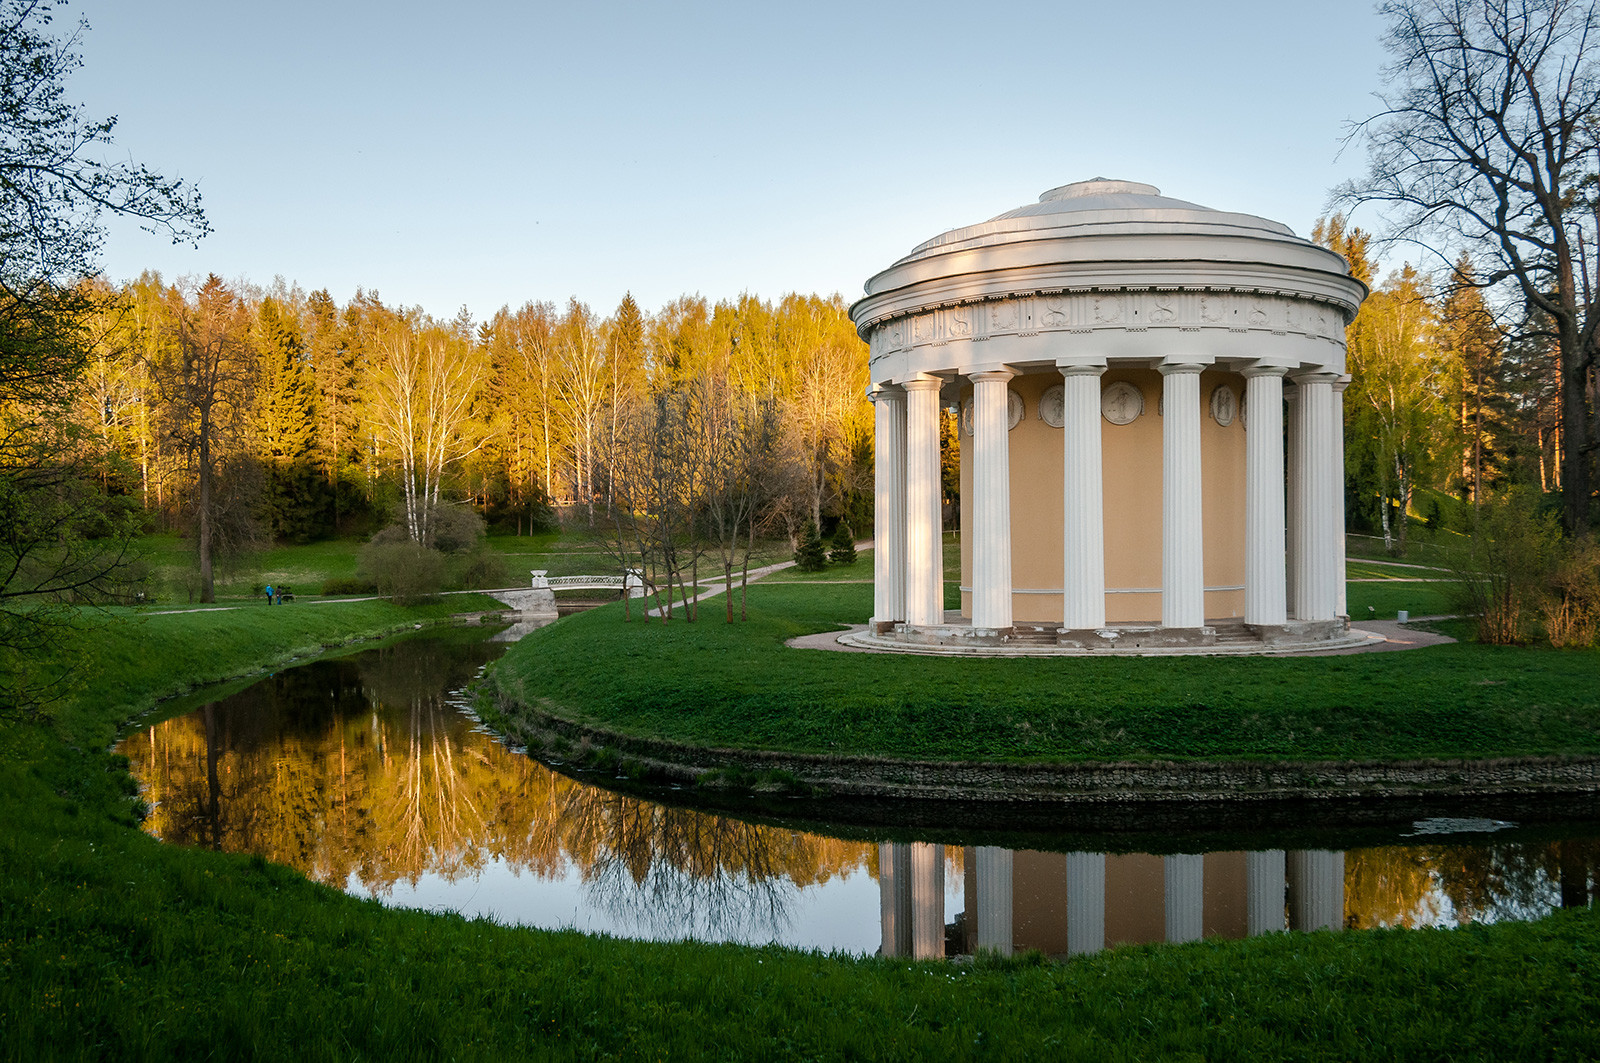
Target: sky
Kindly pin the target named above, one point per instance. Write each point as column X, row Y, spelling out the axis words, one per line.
column 490, row 153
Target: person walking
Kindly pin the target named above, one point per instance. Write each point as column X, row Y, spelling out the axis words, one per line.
column 269, row 594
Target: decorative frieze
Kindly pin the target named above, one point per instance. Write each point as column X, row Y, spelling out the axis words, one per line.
column 1124, row 310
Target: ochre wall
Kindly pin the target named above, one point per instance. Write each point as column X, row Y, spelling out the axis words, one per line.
column 1131, row 468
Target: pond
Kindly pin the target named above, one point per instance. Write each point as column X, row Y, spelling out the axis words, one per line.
column 369, row 773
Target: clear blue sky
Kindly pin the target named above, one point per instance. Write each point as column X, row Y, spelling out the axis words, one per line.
column 490, row 153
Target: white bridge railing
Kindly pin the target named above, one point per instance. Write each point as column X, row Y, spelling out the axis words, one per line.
column 633, row 582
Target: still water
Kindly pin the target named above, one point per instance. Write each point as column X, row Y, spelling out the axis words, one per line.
column 370, row 774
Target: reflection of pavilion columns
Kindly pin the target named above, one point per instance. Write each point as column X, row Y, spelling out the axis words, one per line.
column 1316, row 890
column 911, row 899
column 1183, row 597
column 1086, row 903
column 1264, row 891
column 924, row 546
column 991, row 494
column 1083, row 529
column 993, row 899
column 1263, row 507
column 1185, row 894
column 927, row 901
column 894, row 897
column 1319, row 493
column 889, row 520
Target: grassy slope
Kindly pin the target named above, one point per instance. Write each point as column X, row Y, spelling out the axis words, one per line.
column 115, row 946
column 739, row 686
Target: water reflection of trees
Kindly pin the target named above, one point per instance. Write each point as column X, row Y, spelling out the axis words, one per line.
column 1434, row 884
column 394, row 782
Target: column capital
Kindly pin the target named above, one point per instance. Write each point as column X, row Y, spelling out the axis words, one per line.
column 1340, row 384
column 885, row 391
column 1071, row 369
column 923, row 382
column 1181, row 368
column 1001, row 373
column 1313, row 376
column 1264, row 370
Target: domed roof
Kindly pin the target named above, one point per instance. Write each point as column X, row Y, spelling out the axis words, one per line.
column 1100, row 205
column 1104, row 234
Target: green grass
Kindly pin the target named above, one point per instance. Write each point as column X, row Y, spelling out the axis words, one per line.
column 1384, row 599
column 114, row 946
column 739, row 686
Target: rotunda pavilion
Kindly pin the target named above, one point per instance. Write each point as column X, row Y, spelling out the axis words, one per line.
column 1151, row 428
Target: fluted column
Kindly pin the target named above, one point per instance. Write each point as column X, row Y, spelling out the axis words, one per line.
column 1083, row 527
column 1294, row 518
column 1316, row 553
column 1341, row 603
column 1316, row 890
column 991, row 502
column 1265, row 883
column 1264, row 570
column 927, row 901
column 924, row 543
column 889, row 514
column 1183, row 589
column 1086, row 903
column 994, row 899
column 1184, row 879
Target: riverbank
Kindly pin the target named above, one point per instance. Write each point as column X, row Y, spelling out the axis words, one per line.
column 716, row 702
column 115, row 946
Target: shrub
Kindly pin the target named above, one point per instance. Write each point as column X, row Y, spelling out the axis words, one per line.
column 1572, row 600
column 811, row 555
column 1509, row 576
column 844, row 546
column 481, row 568
column 347, row 585
column 405, row 571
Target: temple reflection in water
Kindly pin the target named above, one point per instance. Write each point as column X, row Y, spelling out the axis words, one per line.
column 1075, row 903
column 365, row 774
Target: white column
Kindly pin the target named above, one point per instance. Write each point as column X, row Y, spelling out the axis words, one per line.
column 1295, row 517
column 889, row 514
column 1264, row 570
column 924, row 541
column 1265, row 883
column 1341, row 603
column 994, row 899
column 1316, row 553
column 991, row 503
column 1316, row 890
column 927, row 901
column 1184, row 878
column 1083, row 527
column 1086, row 903
column 1183, row 589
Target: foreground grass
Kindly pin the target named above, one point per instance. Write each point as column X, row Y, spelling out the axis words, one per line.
column 738, row 686
column 113, row 946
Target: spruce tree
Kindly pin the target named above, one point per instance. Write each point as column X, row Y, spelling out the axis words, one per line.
column 844, row 546
column 812, row 556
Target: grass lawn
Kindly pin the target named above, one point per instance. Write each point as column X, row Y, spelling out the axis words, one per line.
column 739, row 686
column 114, row 946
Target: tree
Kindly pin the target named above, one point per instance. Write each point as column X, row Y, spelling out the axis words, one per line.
column 286, row 427
column 1395, row 391
column 1486, row 141
column 1467, row 331
column 207, row 379
column 56, row 182
column 423, row 386
column 811, row 555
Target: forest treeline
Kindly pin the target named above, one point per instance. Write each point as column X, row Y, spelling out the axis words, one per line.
column 1444, row 403
column 244, row 415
